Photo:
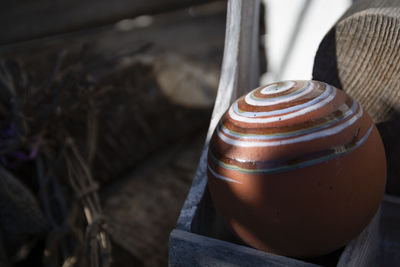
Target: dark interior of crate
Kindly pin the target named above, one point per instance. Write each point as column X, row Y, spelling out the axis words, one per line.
column 208, row 222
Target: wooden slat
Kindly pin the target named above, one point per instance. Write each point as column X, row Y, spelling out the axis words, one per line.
column 379, row 243
column 362, row 251
column 194, row 35
column 26, row 19
column 239, row 74
column 389, row 252
column 188, row 249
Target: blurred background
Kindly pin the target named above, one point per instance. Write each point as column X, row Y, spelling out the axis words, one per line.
column 104, row 108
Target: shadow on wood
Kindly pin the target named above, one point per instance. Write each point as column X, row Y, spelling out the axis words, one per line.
column 329, row 73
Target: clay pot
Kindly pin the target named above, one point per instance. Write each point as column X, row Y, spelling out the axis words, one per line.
column 296, row 168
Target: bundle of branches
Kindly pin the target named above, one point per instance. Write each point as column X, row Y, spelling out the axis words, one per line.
column 41, row 128
column 70, row 127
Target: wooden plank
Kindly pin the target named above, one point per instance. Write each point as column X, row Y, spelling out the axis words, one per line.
column 389, row 252
column 379, row 243
column 194, row 36
column 239, row 74
column 362, row 251
column 361, row 55
column 23, row 20
column 189, row 249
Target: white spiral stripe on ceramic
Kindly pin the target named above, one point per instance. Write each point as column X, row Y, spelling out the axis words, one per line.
column 274, row 101
column 221, row 177
column 249, row 114
column 276, row 89
column 285, row 166
column 292, row 115
column 345, row 115
column 304, row 138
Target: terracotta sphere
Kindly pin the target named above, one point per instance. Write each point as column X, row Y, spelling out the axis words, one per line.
column 296, row 168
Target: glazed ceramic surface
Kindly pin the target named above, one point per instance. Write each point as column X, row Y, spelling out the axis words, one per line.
column 296, row 168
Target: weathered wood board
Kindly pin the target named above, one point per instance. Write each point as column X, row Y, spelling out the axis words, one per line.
column 239, row 74
column 389, row 241
column 24, row 20
column 189, row 249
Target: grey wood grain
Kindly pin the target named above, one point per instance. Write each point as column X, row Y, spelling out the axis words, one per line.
column 362, row 251
column 389, row 245
column 239, row 74
column 26, row 19
column 189, row 249
column 379, row 243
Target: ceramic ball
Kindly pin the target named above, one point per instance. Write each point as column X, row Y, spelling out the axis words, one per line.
column 296, row 168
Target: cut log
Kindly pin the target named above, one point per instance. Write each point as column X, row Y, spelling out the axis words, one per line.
column 361, row 55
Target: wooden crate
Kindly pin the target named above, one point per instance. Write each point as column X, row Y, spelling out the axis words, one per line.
column 377, row 245
column 200, row 237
